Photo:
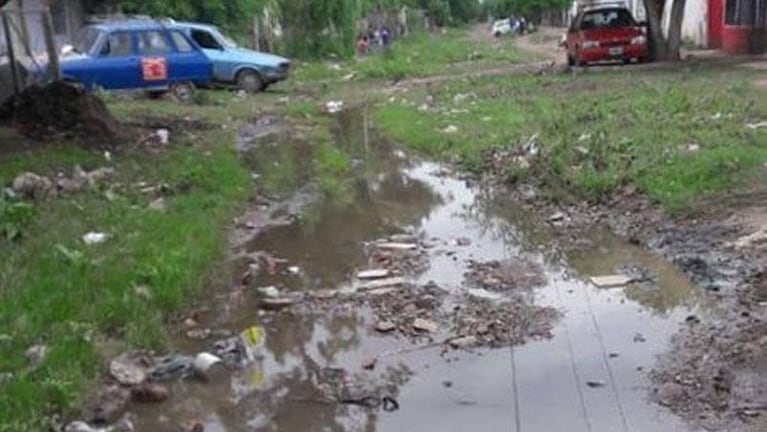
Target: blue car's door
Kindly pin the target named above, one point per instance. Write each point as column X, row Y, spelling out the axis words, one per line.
column 189, row 63
column 116, row 65
column 156, row 53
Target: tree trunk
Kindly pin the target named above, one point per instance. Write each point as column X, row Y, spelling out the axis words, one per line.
column 658, row 46
column 675, row 29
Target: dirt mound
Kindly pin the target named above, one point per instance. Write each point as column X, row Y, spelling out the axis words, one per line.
column 61, row 108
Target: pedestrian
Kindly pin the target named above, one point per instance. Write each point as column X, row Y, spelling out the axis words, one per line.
column 362, row 45
column 385, row 36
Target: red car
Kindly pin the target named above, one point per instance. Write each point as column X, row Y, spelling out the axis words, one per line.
column 607, row 33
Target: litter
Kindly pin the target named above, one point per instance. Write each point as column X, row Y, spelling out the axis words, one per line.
column 382, row 283
column 93, row 238
column 397, row 246
column 372, row 274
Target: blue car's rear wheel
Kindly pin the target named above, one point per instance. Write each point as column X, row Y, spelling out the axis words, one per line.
column 250, row 81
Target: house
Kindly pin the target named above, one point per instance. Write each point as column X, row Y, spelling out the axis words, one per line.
column 735, row 26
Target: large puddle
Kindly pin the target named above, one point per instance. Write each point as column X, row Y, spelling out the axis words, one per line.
column 590, row 376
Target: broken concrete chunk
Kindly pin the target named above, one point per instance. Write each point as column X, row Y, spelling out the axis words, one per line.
column 127, row 370
column 397, row 246
column 613, row 281
column 423, row 325
column 463, row 342
column 372, row 274
column 385, row 326
column 382, row 283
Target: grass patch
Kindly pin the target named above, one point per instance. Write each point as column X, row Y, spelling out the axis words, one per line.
column 677, row 135
column 57, row 291
column 425, row 54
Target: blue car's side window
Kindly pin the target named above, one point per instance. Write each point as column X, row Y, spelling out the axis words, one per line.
column 182, row 44
column 153, row 43
column 117, row 44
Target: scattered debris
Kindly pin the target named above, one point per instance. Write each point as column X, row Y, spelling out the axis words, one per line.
column 150, row 393
column 463, row 342
column 382, row 283
column 450, row 129
column 130, row 368
column 334, row 107
column 373, row 274
column 755, row 126
column 613, row 281
column 93, row 238
column 423, row 325
column 639, row 338
column 750, row 240
column 36, row 355
column 505, row 275
column 32, row 186
column 385, row 326
column 369, row 363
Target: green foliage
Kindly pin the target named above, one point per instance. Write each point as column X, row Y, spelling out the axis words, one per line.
column 529, row 8
column 14, row 217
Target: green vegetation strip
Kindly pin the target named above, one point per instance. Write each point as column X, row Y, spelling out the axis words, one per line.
column 74, row 298
column 675, row 135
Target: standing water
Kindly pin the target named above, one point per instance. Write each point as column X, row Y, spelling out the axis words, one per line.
column 589, row 375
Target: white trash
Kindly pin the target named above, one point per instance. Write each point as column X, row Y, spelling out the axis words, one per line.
column 93, row 238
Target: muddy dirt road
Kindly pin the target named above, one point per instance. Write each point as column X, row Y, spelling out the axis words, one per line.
column 579, row 362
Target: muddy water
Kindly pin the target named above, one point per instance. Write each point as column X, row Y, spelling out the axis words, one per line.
column 608, row 338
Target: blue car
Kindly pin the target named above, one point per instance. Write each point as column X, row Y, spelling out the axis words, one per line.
column 249, row 70
column 137, row 54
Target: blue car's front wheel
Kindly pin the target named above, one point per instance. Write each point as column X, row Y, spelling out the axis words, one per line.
column 250, row 81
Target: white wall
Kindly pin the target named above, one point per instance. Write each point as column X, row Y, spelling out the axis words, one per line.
column 695, row 23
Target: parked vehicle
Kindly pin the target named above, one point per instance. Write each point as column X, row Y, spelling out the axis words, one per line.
column 249, row 70
column 501, row 27
column 605, row 33
column 137, row 54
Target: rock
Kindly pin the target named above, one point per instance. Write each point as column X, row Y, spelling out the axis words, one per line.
column 31, row 185
column 36, row 354
column 128, row 370
column 380, row 291
column 80, row 426
column 447, row 384
column 483, row 329
column 275, row 304
column 450, row 129
column 385, row 326
column 369, row 363
column 595, row 384
column 150, row 393
column 425, row 326
column 403, row 238
column 484, row 294
column 614, row 281
column 463, row 342
column 190, row 322
column 112, row 401
column 269, row 291
column 197, row 427
column 372, row 274
column 639, row 338
column 614, row 355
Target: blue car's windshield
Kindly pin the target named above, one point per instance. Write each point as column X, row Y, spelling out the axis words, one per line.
column 86, row 39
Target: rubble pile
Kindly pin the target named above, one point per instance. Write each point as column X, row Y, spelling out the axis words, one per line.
column 505, row 275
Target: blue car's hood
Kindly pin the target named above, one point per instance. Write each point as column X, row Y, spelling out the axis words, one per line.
column 258, row 58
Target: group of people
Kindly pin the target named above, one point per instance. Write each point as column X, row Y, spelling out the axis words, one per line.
column 380, row 37
column 518, row 24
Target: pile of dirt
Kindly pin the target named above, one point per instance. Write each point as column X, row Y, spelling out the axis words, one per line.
column 61, row 108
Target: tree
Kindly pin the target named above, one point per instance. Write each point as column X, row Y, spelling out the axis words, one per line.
column 663, row 48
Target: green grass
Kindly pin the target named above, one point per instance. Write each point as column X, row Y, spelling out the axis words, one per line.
column 426, row 54
column 599, row 132
column 57, row 291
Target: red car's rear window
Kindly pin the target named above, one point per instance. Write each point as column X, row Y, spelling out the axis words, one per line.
column 607, row 18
